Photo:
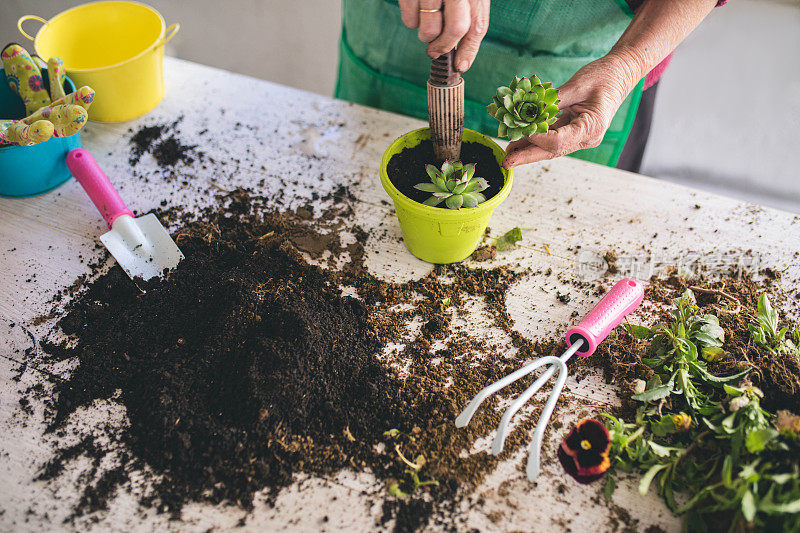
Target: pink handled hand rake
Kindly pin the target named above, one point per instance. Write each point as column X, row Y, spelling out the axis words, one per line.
column 624, row 297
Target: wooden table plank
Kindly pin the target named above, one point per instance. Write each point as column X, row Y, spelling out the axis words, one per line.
column 289, row 144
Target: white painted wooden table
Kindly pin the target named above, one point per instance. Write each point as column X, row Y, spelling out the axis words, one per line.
column 571, row 213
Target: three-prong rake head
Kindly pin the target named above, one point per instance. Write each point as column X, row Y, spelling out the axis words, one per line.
column 624, row 297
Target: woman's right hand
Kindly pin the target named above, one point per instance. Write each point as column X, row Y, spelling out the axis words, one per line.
column 465, row 24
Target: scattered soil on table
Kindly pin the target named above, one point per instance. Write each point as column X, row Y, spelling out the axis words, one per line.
column 161, row 141
column 611, row 258
column 407, row 168
column 234, row 368
column 778, row 376
column 484, row 253
column 247, row 365
column 142, row 141
column 170, row 151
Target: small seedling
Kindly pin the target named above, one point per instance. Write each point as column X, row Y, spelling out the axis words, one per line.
column 455, row 184
column 765, row 333
column 525, row 107
column 413, row 471
column 393, row 486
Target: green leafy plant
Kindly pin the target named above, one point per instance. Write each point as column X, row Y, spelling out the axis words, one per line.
column 734, row 461
column 765, row 333
column 455, row 184
column 526, row 106
column 700, row 435
column 678, row 349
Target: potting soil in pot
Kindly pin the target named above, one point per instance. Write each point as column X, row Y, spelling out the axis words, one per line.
column 407, row 168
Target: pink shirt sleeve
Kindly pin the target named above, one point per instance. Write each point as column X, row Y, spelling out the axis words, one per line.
column 654, row 75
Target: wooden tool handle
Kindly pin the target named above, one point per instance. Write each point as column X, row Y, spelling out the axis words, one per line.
column 446, row 108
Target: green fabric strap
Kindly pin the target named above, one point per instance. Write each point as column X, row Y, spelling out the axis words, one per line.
column 382, row 63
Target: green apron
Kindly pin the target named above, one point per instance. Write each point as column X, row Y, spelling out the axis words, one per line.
column 383, row 64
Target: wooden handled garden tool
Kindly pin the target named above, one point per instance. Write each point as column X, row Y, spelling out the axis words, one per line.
column 446, row 108
column 624, row 297
column 141, row 246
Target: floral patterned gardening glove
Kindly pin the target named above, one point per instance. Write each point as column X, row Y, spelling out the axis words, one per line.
column 48, row 114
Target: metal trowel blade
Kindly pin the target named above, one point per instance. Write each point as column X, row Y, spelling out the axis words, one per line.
column 142, row 247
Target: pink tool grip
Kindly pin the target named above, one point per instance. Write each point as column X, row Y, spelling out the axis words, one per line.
column 97, row 185
column 624, row 297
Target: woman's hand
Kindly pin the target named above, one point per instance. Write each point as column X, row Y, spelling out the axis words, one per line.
column 591, row 97
column 465, row 24
column 589, row 100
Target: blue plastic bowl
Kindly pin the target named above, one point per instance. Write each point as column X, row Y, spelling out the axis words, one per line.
column 31, row 170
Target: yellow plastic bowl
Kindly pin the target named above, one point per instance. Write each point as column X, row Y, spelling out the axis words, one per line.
column 435, row 234
column 116, row 48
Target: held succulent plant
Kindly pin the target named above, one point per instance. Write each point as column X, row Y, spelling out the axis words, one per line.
column 455, row 184
column 526, row 106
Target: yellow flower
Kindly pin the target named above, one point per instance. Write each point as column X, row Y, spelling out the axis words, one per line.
column 682, row 422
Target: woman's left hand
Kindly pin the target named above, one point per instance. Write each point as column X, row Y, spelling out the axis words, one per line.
column 589, row 100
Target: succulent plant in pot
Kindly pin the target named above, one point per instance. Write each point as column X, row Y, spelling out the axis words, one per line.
column 444, row 219
column 455, row 184
column 526, row 106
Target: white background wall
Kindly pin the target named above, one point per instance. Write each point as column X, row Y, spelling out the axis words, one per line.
column 728, row 108
column 727, row 113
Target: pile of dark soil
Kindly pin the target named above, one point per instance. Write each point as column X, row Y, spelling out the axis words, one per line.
column 733, row 299
column 407, row 168
column 243, row 359
column 247, row 365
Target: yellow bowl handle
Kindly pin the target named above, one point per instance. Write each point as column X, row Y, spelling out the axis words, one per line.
column 169, row 34
column 25, row 18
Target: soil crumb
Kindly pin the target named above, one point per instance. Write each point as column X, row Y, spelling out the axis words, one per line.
column 611, row 258
column 484, row 253
column 142, row 141
column 170, row 151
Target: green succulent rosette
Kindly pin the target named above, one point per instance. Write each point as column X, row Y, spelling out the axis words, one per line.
column 526, row 106
column 455, row 184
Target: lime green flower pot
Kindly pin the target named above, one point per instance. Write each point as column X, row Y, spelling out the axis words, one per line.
column 435, row 234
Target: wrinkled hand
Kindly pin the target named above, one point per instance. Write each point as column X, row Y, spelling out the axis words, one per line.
column 465, row 24
column 589, row 100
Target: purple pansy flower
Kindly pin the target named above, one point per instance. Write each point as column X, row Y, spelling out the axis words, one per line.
column 584, row 451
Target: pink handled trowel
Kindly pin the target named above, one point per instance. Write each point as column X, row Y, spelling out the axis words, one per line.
column 141, row 246
column 624, row 297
